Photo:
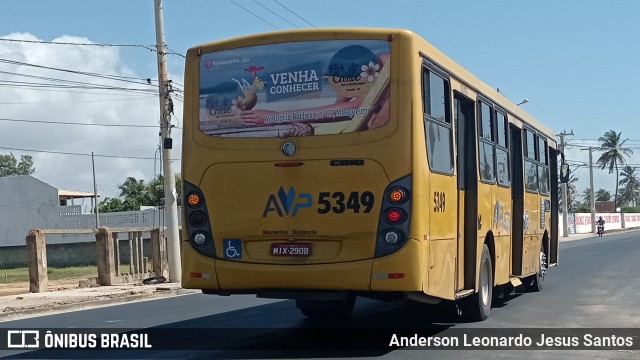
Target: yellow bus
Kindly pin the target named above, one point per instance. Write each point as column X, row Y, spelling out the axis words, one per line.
column 324, row 164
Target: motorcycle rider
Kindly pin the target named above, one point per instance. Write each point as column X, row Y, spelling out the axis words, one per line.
column 600, row 223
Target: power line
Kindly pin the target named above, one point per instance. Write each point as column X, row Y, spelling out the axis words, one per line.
column 298, row 16
column 43, row 86
column 78, row 124
column 130, row 98
column 276, row 14
column 82, row 154
column 254, row 14
column 109, row 77
column 146, row 47
column 123, row 78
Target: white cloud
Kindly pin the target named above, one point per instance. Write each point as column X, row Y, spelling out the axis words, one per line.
column 79, row 104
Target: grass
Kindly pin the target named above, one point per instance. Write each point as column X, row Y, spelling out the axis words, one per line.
column 22, row 273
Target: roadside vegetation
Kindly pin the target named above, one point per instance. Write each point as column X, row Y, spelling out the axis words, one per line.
column 22, row 273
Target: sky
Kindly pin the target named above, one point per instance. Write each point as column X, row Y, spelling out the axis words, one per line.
column 576, row 61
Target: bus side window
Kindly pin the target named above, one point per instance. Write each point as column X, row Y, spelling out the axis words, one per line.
column 486, row 145
column 502, row 152
column 531, row 165
column 543, row 167
column 437, row 122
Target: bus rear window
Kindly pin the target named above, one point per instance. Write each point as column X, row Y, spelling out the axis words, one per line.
column 295, row 89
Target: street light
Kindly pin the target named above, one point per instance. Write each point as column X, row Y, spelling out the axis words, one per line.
column 523, row 102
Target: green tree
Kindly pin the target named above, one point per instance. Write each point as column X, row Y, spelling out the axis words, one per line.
column 136, row 192
column 586, row 196
column 9, row 166
column 630, row 183
column 613, row 154
column 571, row 193
column 582, row 208
column 156, row 188
column 117, row 205
column 602, row 195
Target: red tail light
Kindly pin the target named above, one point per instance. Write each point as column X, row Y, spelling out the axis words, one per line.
column 394, row 215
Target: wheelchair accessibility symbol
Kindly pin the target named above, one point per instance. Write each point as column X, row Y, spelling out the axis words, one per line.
column 232, row 249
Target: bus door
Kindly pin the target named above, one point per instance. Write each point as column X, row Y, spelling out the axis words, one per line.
column 443, row 226
column 464, row 116
column 517, row 197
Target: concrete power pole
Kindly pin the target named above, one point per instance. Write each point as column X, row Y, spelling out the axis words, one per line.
column 565, row 228
column 170, row 194
column 592, row 195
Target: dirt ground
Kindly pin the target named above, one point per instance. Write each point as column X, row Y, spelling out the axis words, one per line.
column 17, row 302
column 22, row 287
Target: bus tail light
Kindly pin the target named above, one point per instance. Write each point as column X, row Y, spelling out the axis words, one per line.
column 397, row 195
column 393, row 225
column 395, row 216
column 197, row 220
column 193, row 199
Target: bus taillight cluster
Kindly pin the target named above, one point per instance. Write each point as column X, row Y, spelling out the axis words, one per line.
column 393, row 225
column 198, row 225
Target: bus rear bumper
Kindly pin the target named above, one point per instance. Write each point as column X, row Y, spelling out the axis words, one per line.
column 398, row 272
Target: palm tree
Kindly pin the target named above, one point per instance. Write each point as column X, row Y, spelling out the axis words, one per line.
column 571, row 192
column 613, row 154
column 602, row 195
column 586, row 196
column 630, row 186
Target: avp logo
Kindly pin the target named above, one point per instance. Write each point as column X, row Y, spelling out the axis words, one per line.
column 287, row 203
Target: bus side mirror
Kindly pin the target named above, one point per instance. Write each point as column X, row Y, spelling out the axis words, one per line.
column 564, row 173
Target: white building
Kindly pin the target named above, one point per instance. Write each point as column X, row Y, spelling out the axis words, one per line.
column 27, row 203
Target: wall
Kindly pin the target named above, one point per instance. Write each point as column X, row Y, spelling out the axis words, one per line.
column 68, row 254
column 580, row 223
column 27, row 203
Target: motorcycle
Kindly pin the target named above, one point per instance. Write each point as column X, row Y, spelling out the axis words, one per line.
column 600, row 229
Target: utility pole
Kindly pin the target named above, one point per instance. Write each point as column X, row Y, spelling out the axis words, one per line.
column 593, row 198
column 170, row 195
column 565, row 221
column 95, row 192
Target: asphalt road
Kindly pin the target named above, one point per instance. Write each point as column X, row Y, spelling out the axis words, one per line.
column 596, row 285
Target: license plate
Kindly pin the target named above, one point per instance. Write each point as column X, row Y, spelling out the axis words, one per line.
column 291, row 249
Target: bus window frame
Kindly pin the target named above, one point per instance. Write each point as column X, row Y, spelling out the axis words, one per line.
column 481, row 140
column 497, row 109
column 526, row 159
column 542, row 140
column 427, row 68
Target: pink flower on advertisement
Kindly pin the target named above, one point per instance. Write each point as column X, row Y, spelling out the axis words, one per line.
column 370, row 72
column 254, row 70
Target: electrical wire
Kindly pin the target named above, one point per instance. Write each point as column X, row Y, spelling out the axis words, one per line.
column 77, row 124
column 276, row 14
column 254, row 14
column 298, row 16
column 147, row 47
column 130, row 98
column 110, row 77
column 82, row 154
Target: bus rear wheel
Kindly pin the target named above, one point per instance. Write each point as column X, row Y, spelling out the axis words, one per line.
column 478, row 306
column 326, row 309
